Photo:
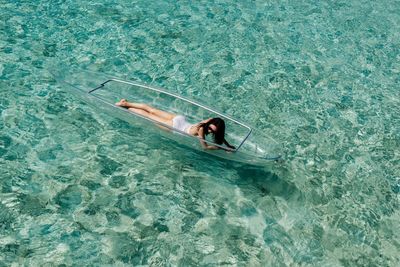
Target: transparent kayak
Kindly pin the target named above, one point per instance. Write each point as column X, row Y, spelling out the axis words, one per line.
column 102, row 91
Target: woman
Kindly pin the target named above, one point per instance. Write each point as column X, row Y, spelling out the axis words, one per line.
column 215, row 126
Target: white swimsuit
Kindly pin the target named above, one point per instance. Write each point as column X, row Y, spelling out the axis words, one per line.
column 179, row 122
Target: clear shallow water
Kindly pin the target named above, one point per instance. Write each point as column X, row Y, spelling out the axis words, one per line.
column 81, row 188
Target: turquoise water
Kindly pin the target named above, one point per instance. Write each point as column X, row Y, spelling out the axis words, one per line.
column 80, row 188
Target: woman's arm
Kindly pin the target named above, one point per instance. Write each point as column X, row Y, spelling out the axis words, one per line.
column 205, row 121
column 203, row 142
column 211, row 147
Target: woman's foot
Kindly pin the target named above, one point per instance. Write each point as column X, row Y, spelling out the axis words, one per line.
column 122, row 103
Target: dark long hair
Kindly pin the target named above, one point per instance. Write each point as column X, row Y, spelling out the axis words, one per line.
column 219, row 134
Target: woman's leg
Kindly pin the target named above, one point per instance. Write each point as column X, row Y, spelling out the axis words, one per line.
column 148, row 112
column 159, row 113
